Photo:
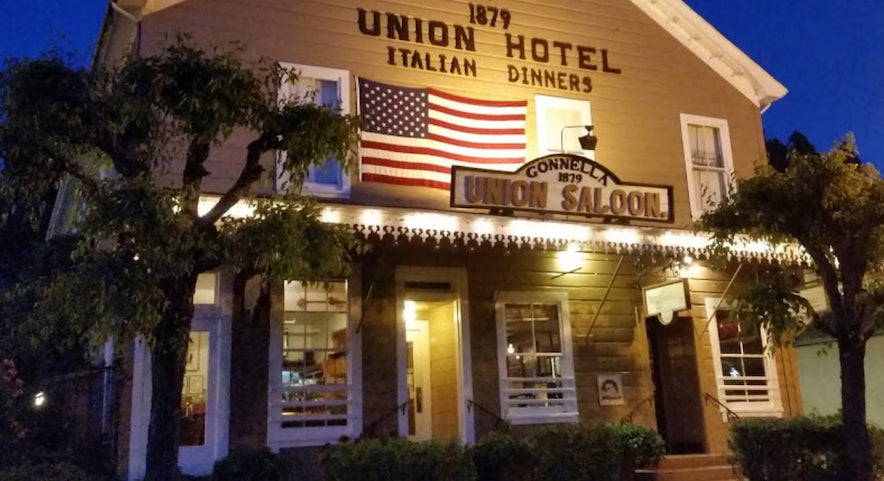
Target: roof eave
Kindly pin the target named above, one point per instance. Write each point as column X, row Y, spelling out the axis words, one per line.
column 708, row 44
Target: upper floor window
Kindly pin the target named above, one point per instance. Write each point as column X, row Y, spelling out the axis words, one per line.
column 707, row 151
column 534, row 357
column 745, row 370
column 331, row 88
column 206, row 288
column 560, row 124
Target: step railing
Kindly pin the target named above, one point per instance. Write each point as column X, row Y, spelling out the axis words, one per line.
column 731, row 415
column 628, row 417
column 499, row 422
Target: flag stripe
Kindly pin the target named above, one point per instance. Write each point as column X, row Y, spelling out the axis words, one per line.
column 406, row 172
column 387, row 179
column 478, row 138
column 475, row 116
column 473, row 145
column 430, row 147
column 477, row 124
column 432, row 160
column 475, row 130
column 490, row 103
column 406, row 165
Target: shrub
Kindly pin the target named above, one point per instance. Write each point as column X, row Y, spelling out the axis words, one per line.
column 395, row 459
column 61, row 471
column 261, row 465
column 796, row 449
column 503, row 457
column 637, row 444
column 573, row 452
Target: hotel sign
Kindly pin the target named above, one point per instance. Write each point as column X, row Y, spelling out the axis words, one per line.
column 561, row 184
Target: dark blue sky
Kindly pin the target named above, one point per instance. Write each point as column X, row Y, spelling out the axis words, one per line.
column 828, row 53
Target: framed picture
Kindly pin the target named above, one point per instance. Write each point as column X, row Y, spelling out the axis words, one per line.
column 610, row 388
column 195, row 384
column 193, row 354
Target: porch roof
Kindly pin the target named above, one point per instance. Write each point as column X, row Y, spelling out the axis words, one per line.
column 433, row 228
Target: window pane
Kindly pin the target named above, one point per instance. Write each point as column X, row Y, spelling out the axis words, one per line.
column 728, row 334
column 328, row 173
column 556, row 119
column 712, row 185
column 742, row 357
column 314, row 367
column 705, row 146
column 205, row 288
column 192, row 427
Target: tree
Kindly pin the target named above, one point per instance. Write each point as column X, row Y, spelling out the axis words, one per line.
column 133, row 141
column 831, row 206
column 778, row 152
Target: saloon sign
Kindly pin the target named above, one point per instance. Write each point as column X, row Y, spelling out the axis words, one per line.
column 561, row 184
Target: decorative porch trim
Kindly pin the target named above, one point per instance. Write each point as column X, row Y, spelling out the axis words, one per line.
column 471, row 232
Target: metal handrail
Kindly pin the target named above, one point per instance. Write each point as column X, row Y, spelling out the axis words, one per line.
column 369, row 430
column 499, row 421
column 628, row 417
column 731, row 415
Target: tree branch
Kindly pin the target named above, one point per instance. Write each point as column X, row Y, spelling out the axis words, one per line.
column 197, row 153
column 75, row 170
column 251, row 173
column 828, row 274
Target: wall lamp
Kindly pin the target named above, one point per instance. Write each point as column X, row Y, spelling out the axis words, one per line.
column 587, row 142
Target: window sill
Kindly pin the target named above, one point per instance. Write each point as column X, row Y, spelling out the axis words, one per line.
column 755, row 412
column 283, row 438
column 557, row 418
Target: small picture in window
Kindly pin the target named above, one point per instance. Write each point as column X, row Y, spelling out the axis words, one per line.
column 193, row 354
column 610, row 389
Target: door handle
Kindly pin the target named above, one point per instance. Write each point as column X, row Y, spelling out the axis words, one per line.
column 419, row 399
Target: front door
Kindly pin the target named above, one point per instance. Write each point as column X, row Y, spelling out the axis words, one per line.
column 417, row 335
column 677, row 400
column 435, row 384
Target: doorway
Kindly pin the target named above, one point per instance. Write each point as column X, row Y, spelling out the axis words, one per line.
column 677, row 400
column 434, row 372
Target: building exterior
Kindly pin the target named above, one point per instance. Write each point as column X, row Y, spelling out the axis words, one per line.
column 817, row 356
column 513, row 266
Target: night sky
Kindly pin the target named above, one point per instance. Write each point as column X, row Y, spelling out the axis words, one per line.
column 828, row 53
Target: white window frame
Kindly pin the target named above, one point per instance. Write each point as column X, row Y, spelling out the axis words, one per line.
column 192, row 460
column 547, row 145
column 694, row 192
column 774, row 406
column 342, row 77
column 279, row 437
column 539, row 415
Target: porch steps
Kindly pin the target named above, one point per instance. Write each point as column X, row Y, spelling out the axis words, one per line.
column 691, row 467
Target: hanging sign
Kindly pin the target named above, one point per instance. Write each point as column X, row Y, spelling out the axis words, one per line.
column 561, row 184
column 664, row 300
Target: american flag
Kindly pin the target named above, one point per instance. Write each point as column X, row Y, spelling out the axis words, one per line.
column 412, row 136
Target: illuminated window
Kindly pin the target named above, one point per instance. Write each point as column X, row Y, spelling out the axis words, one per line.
column 311, row 366
column 707, row 152
column 745, row 370
column 560, row 124
column 192, row 430
column 205, row 288
column 534, row 358
column 330, row 88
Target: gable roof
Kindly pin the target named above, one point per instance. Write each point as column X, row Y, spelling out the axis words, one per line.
column 676, row 17
column 715, row 50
